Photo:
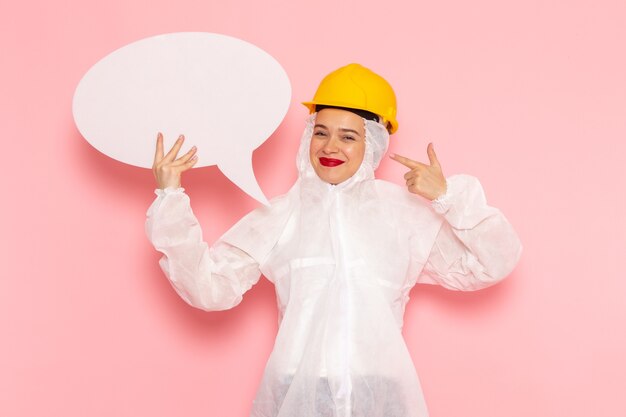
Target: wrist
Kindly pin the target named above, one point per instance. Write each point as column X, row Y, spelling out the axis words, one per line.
column 169, row 190
column 443, row 192
column 170, row 184
column 441, row 204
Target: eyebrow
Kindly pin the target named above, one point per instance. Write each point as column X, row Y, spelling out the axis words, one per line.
column 343, row 129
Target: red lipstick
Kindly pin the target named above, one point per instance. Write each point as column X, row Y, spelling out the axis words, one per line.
column 330, row 162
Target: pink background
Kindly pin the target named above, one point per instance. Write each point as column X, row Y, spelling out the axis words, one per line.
column 529, row 96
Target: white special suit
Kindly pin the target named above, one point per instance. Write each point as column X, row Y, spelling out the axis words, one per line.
column 343, row 259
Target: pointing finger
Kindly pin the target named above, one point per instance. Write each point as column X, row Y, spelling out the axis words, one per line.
column 409, row 163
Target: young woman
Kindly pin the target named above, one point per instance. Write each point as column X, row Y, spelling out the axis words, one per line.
column 343, row 250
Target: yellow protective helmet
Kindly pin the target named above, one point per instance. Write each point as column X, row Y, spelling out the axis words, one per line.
column 356, row 87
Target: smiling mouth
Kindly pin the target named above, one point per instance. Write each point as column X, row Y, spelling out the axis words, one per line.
column 330, row 162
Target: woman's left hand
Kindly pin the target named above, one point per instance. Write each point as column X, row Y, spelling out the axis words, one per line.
column 423, row 179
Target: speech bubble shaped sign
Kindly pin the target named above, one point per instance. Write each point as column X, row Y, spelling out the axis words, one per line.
column 225, row 95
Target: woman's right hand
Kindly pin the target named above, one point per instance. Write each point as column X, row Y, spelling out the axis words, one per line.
column 167, row 169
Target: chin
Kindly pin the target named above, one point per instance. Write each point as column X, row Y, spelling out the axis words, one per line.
column 331, row 176
column 333, row 180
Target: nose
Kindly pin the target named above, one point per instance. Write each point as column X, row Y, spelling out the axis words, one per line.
column 330, row 146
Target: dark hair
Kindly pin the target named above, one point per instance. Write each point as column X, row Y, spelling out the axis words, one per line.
column 363, row 113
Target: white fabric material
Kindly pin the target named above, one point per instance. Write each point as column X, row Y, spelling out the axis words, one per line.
column 343, row 259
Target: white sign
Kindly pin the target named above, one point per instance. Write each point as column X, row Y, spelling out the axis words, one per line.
column 225, row 95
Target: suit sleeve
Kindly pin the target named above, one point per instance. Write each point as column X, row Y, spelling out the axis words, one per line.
column 208, row 278
column 476, row 246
